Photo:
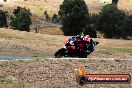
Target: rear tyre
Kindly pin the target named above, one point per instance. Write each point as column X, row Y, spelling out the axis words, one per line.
column 60, row 53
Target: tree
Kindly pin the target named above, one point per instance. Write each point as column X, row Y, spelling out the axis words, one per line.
column 21, row 19
column 17, row 10
column 111, row 21
column 115, row 1
column 3, row 19
column 4, row 0
column 74, row 16
column 128, row 26
column 90, row 30
column 47, row 16
column 55, row 18
column 93, row 19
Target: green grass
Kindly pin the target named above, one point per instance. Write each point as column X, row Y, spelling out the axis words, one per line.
column 22, row 55
column 6, row 80
column 5, row 54
column 118, row 50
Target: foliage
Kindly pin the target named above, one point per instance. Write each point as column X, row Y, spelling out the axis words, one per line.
column 17, row 10
column 74, row 16
column 128, row 26
column 90, row 30
column 47, row 17
column 4, row 0
column 3, row 19
column 111, row 21
column 93, row 19
column 91, row 26
column 55, row 18
column 115, row 1
column 21, row 19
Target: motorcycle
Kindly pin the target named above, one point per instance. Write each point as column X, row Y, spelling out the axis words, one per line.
column 76, row 48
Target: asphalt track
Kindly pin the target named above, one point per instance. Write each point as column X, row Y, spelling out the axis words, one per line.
column 7, row 58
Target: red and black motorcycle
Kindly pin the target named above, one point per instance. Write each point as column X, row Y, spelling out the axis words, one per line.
column 76, row 46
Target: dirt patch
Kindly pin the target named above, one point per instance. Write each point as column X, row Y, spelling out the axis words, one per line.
column 50, row 30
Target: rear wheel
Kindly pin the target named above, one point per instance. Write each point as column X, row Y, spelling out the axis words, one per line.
column 60, row 53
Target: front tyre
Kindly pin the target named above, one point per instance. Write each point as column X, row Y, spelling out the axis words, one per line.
column 60, row 53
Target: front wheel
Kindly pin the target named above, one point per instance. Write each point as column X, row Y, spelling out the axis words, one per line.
column 60, row 53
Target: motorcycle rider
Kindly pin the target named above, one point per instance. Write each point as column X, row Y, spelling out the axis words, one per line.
column 79, row 42
column 73, row 40
column 86, row 42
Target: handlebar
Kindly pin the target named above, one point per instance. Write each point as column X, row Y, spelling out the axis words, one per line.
column 96, row 43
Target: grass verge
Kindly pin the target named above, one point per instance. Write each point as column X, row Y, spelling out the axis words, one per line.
column 117, row 50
